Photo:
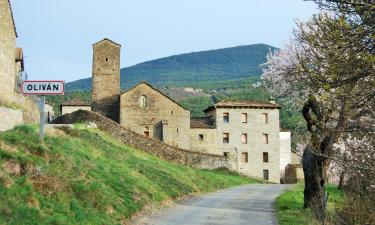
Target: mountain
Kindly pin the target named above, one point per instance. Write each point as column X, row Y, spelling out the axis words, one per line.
column 214, row 65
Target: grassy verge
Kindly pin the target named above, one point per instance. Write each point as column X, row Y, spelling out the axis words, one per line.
column 86, row 177
column 290, row 209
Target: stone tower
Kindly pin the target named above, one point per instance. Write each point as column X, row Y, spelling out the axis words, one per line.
column 106, row 79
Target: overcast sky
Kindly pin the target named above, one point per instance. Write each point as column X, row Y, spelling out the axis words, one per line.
column 57, row 35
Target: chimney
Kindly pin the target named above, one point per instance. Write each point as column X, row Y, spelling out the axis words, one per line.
column 272, row 100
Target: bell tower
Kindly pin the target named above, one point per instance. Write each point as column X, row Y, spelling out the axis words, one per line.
column 106, row 79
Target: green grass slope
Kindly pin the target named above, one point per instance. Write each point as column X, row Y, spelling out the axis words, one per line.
column 214, row 65
column 290, row 209
column 85, row 177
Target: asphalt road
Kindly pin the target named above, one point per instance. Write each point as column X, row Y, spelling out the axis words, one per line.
column 247, row 205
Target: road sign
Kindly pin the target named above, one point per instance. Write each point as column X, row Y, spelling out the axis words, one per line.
column 42, row 87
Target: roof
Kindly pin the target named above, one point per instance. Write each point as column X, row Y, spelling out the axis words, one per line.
column 75, row 102
column 227, row 103
column 11, row 13
column 106, row 39
column 150, row 86
column 202, row 122
column 19, row 57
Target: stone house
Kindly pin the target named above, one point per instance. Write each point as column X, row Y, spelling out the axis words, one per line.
column 247, row 132
column 147, row 111
column 17, row 109
column 74, row 105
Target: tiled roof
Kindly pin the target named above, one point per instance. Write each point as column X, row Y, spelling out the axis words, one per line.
column 75, row 102
column 106, row 39
column 227, row 103
column 202, row 122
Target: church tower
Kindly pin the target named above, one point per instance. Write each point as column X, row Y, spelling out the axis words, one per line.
column 106, row 79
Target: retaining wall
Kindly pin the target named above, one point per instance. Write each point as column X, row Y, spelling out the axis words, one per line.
column 155, row 147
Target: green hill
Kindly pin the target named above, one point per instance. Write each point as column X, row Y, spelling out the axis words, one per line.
column 83, row 176
column 214, row 65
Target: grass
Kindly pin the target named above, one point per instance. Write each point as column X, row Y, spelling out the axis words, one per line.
column 290, row 209
column 85, row 177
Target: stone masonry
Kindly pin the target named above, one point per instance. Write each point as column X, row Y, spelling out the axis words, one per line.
column 147, row 111
column 106, row 79
column 8, row 37
column 155, row 147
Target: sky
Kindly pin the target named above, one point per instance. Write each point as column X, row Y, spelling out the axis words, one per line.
column 57, row 35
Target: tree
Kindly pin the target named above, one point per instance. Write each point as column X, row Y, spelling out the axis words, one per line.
column 329, row 69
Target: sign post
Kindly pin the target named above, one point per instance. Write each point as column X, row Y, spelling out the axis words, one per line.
column 42, row 88
column 42, row 101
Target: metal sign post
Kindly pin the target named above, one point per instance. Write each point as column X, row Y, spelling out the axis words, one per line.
column 42, row 88
column 42, row 102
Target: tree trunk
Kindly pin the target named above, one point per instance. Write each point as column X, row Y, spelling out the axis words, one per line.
column 313, row 168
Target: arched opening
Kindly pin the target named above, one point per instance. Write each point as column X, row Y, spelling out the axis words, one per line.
column 143, row 101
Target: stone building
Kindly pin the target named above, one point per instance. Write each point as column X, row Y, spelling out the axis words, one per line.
column 8, row 36
column 247, row 132
column 23, row 109
column 106, row 78
column 74, row 105
column 153, row 114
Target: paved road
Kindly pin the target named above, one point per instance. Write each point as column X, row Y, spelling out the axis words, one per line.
column 247, row 205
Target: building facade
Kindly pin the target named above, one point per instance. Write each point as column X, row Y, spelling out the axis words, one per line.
column 106, row 78
column 247, row 132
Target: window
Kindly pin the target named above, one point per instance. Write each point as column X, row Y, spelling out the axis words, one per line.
column 143, row 101
column 265, row 157
column 265, row 138
column 171, row 112
column 265, row 117
column 265, row 175
column 226, row 154
column 201, row 137
column 225, row 137
column 244, row 117
column 146, row 134
column 177, row 130
column 244, row 138
column 244, row 157
column 226, row 117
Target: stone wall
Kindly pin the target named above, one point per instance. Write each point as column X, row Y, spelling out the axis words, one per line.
column 106, row 79
column 161, row 117
column 285, row 150
column 7, row 53
column 10, row 118
column 293, row 173
column 255, row 127
column 207, row 144
column 155, row 147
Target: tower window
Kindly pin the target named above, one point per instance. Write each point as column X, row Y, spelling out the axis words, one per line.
column 106, row 59
column 201, row 137
column 265, row 156
column 225, row 137
column 143, row 101
column 226, row 117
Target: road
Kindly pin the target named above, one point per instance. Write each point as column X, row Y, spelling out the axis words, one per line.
column 248, row 204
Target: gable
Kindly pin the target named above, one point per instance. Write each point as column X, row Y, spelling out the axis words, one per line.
column 151, row 92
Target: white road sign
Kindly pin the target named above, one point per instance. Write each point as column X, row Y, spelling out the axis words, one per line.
column 42, row 87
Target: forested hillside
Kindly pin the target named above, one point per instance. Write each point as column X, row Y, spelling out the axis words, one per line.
column 214, row 65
